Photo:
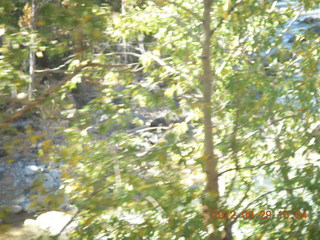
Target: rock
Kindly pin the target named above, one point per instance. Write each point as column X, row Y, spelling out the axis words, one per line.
column 2, row 172
column 310, row 20
column 283, row 55
column 119, row 88
column 117, row 101
column 54, row 222
column 69, row 208
column 51, row 182
column 31, row 163
column 315, row 29
column 26, row 206
column 16, row 208
column 28, row 231
column 3, row 153
column 292, row 39
column 30, row 222
column 83, row 93
column 30, row 170
column 19, row 180
column 56, row 174
column 21, row 124
column 159, row 122
column 311, row 31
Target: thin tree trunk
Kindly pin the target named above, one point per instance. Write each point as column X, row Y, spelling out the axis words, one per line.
column 124, row 42
column 210, row 161
column 32, row 57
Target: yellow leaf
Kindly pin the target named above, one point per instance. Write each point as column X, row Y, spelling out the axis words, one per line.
column 89, row 221
column 65, row 174
column 86, row 18
column 46, row 145
column 33, row 139
column 286, row 229
column 41, row 23
column 64, row 152
column 235, row 17
column 78, row 147
column 161, row 3
column 40, row 153
column 75, row 160
column 213, row 194
column 225, row 14
column 160, row 143
column 39, row 54
column 10, row 161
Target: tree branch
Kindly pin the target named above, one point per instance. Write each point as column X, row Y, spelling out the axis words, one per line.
column 181, row 23
column 266, row 164
column 198, row 17
column 261, row 196
column 42, row 98
column 229, row 12
column 10, row 99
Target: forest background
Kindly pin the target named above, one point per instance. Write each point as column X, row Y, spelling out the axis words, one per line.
column 164, row 115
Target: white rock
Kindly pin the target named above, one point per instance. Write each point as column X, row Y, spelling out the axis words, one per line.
column 30, row 170
column 53, row 221
column 30, row 222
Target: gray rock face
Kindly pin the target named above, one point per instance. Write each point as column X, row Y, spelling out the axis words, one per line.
column 30, row 170
column 310, row 20
column 307, row 23
column 28, row 181
column 16, row 208
column 315, row 29
column 17, row 180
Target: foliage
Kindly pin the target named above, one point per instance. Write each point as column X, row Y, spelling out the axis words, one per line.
column 132, row 182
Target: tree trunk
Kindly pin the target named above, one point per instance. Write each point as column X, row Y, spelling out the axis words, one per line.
column 210, row 161
column 32, row 56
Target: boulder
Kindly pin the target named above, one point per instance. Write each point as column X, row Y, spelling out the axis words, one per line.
column 52, row 222
column 30, row 170
column 315, row 29
column 310, row 20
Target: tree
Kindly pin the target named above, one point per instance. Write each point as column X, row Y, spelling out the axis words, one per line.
column 242, row 108
column 210, row 160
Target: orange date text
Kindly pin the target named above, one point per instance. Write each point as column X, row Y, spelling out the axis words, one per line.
column 264, row 214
